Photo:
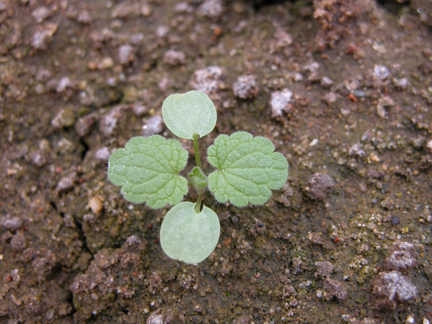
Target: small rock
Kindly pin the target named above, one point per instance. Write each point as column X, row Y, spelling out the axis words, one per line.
column 38, row 158
column 336, row 289
column 279, row 102
column 84, row 17
column 153, row 126
column 401, row 83
column 392, row 287
column 324, row 269
column 83, row 125
column 103, row 154
column 126, row 54
column 18, row 241
column 162, row 31
column 65, row 118
column 139, row 109
column 326, row 82
column 11, row 223
column 384, row 103
column 161, row 317
column 429, row 146
column 246, row 87
column 43, row 75
column 209, row 80
column 108, row 122
column 319, row 185
column 401, row 256
column 211, row 8
column 41, row 13
column 357, row 150
column 174, row 58
column 381, row 72
column 66, row 182
column 63, row 84
column 136, row 38
column 288, row 291
column 330, row 98
column 42, row 36
column 242, row 320
column 95, row 205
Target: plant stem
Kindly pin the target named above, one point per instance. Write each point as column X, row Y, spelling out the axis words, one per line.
column 196, row 149
column 198, row 203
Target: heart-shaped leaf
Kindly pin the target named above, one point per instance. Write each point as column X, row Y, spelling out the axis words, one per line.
column 147, row 169
column 247, row 168
column 189, row 113
column 189, row 236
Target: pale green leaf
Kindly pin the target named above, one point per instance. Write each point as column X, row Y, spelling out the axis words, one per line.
column 189, row 113
column 147, row 169
column 189, row 236
column 247, row 168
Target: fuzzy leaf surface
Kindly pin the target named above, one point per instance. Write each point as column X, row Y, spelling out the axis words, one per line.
column 247, row 169
column 189, row 236
column 147, row 169
column 189, row 113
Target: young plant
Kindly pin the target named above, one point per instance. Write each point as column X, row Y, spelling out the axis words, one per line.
column 247, row 169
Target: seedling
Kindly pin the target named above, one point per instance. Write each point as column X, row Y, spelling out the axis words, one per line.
column 247, row 169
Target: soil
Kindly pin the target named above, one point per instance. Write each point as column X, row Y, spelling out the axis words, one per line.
column 347, row 239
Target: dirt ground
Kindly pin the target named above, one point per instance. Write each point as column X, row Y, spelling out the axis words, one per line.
column 342, row 87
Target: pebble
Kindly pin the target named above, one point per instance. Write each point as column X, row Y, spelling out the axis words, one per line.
column 95, row 205
column 330, row 98
column 173, row 58
column 211, row 8
column 108, row 122
column 357, row 150
column 381, row 72
column 84, row 124
column 42, row 36
column 102, row 154
column 246, row 87
column 41, row 13
column 392, row 287
column 153, row 126
column 125, row 54
column 401, row 83
column 160, row 317
column 11, row 223
column 326, row 82
column 66, row 182
column 18, row 241
column 319, row 185
column 279, row 101
column 64, row 83
column 324, row 269
column 209, row 80
column 64, row 118
column 401, row 256
column 84, row 17
column 336, row 289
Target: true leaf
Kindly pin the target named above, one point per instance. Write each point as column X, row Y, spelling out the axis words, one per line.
column 147, row 169
column 189, row 236
column 189, row 113
column 247, row 168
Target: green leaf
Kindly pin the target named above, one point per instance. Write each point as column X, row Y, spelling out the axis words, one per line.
column 189, row 113
column 189, row 236
column 147, row 169
column 198, row 179
column 247, row 167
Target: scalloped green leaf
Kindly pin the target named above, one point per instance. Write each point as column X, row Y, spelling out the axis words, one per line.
column 247, row 169
column 147, row 169
column 189, row 113
column 189, row 236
